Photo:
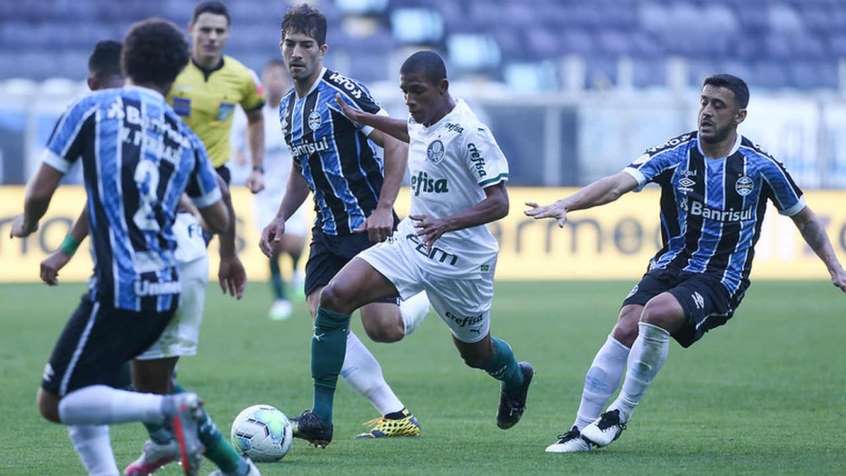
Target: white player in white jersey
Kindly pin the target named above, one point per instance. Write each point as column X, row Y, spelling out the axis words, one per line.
column 443, row 247
column 277, row 165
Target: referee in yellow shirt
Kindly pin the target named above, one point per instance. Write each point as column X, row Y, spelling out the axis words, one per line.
column 212, row 85
column 205, row 95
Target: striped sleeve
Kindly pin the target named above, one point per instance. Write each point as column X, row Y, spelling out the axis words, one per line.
column 355, row 94
column 786, row 195
column 657, row 160
column 202, row 188
column 64, row 146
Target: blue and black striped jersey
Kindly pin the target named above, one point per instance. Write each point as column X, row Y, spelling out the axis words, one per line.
column 712, row 209
column 138, row 158
column 334, row 155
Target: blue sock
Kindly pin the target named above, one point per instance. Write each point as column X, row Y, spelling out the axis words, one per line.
column 503, row 366
column 328, row 346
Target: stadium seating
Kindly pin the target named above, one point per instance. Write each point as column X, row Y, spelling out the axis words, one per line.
column 778, row 44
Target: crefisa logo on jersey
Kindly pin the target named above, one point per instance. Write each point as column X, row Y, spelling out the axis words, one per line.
column 744, row 186
column 314, row 120
column 435, row 152
column 477, row 159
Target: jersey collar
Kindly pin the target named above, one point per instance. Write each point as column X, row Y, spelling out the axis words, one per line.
column 208, row 72
column 734, row 148
column 314, row 85
column 459, row 104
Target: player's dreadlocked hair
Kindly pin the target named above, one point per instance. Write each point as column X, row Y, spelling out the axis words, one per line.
column 427, row 62
column 307, row 20
column 105, row 59
column 210, row 6
column 154, row 51
column 732, row 83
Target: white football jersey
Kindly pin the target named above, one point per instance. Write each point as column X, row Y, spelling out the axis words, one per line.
column 190, row 244
column 451, row 162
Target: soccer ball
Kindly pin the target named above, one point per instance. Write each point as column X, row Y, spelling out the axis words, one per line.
column 262, row 433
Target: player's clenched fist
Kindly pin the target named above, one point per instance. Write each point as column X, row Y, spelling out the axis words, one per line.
column 379, row 225
column 271, row 237
column 51, row 265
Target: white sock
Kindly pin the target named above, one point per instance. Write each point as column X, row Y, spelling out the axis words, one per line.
column 648, row 354
column 94, row 448
column 364, row 374
column 413, row 310
column 601, row 380
column 102, row 405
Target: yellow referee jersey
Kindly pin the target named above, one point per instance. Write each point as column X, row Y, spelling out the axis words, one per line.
column 206, row 101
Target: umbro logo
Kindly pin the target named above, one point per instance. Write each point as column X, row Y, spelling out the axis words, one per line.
column 686, row 182
column 698, row 300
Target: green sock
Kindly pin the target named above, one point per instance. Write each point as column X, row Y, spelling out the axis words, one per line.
column 328, row 346
column 503, row 366
column 276, row 281
column 218, row 449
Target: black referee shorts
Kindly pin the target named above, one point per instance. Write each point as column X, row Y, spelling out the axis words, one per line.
column 224, row 173
column 706, row 302
column 95, row 343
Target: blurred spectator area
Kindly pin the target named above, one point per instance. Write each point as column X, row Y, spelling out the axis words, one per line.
column 530, row 45
column 572, row 89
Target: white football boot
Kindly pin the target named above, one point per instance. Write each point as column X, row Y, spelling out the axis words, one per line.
column 604, row 429
column 570, row 442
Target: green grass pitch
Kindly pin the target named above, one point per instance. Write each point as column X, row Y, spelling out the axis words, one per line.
column 761, row 395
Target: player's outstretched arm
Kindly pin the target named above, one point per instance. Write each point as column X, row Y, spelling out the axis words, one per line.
column 380, row 224
column 51, row 265
column 492, row 208
column 39, row 192
column 394, row 127
column 813, row 232
column 295, row 194
column 604, row 190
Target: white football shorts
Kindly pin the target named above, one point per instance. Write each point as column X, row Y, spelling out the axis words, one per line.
column 180, row 337
column 463, row 302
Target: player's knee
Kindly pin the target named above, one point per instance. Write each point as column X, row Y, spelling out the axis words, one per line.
column 663, row 311
column 384, row 333
column 625, row 332
column 335, row 298
column 48, row 406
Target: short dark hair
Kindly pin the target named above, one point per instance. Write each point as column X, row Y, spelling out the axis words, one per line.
column 307, row 20
column 427, row 62
column 154, row 51
column 732, row 83
column 210, row 6
column 105, row 59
